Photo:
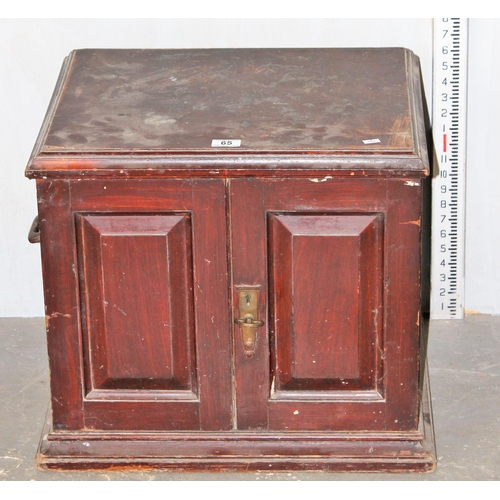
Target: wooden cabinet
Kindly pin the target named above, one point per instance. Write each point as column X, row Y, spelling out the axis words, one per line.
column 231, row 249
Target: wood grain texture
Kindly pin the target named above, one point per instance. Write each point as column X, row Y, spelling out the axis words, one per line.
column 251, row 451
column 62, row 306
column 306, row 211
column 138, row 292
column 272, row 99
column 326, row 296
column 249, row 267
column 403, row 302
column 288, row 107
column 286, row 165
column 196, row 336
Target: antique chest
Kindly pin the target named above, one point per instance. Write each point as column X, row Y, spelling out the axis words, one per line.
column 231, row 245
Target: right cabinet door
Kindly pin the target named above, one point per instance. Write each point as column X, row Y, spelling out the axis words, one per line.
column 335, row 264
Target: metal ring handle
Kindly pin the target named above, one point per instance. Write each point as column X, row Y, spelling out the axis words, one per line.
column 34, row 234
column 249, row 321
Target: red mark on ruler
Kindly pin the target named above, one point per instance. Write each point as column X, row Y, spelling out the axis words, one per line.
column 444, row 143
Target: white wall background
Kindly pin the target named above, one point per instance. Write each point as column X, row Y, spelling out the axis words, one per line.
column 31, row 53
column 482, row 270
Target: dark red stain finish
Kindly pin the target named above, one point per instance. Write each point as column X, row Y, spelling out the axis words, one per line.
column 148, row 234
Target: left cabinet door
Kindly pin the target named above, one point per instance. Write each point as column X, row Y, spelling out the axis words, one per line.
column 135, row 276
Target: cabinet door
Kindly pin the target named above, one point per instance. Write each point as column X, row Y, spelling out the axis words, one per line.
column 335, row 267
column 152, row 300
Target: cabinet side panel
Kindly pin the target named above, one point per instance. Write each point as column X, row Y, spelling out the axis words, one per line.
column 57, row 238
column 403, row 303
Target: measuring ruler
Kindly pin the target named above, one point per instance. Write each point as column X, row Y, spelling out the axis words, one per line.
column 448, row 183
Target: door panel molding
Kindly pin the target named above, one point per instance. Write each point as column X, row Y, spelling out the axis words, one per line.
column 326, row 293
column 137, row 288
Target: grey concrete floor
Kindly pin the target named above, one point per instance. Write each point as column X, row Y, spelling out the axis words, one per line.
column 464, row 364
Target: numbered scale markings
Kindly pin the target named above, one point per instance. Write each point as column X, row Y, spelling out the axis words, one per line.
column 448, row 183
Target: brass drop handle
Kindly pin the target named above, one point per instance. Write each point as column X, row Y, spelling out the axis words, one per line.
column 248, row 320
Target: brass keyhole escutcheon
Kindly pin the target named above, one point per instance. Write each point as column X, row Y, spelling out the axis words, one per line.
column 248, row 321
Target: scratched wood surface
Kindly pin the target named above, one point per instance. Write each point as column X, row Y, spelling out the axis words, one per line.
column 271, row 99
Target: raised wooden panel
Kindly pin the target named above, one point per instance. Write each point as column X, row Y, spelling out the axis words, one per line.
column 137, row 291
column 326, row 292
